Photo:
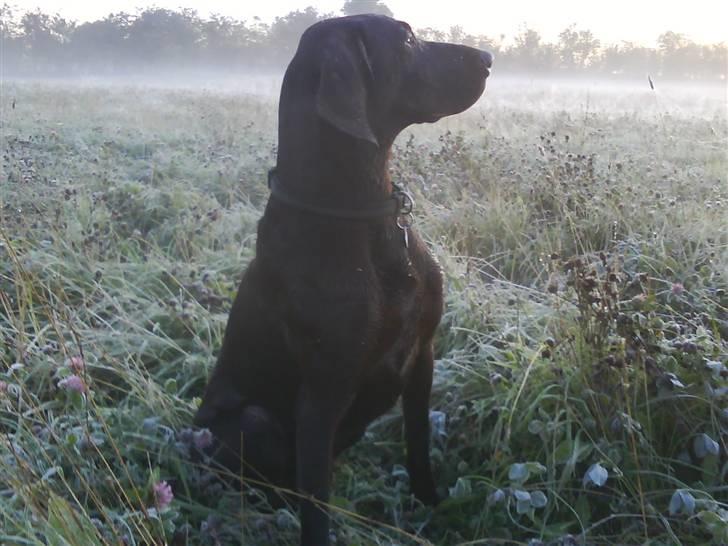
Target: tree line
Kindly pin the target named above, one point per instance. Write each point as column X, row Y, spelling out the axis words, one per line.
column 34, row 43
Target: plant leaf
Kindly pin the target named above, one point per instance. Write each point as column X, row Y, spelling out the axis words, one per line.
column 535, row 468
column 518, row 472
column 438, row 424
column 682, row 502
column 705, row 445
column 596, row 474
column 535, row 427
column 523, row 501
column 495, row 497
column 538, row 499
column 521, row 495
column 462, row 488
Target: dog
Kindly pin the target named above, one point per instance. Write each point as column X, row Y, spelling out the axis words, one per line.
column 334, row 317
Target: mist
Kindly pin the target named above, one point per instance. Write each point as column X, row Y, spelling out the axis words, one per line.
column 183, row 48
column 166, row 49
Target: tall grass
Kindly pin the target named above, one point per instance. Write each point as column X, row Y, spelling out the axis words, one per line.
column 580, row 393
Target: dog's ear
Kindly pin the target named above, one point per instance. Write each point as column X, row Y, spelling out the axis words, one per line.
column 341, row 98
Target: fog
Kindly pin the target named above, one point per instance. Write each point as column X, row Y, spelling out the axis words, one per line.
column 504, row 91
column 181, row 50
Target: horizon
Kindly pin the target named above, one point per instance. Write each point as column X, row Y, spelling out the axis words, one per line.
column 644, row 23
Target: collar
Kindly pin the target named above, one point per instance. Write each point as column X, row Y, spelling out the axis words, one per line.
column 399, row 204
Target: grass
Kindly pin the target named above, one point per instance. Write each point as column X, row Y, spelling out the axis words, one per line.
column 580, row 394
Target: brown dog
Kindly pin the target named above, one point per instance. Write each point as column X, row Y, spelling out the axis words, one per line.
column 334, row 318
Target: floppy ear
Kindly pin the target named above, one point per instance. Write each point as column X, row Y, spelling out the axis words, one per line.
column 341, row 98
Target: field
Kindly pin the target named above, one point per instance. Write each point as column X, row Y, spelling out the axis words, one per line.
column 581, row 384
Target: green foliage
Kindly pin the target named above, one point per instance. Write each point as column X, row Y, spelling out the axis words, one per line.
column 581, row 382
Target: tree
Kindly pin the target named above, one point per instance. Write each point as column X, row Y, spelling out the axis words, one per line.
column 11, row 40
column 487, row 43
column 101, row 43
column 527, row 49
column 714, row 61
column 161, row 34
column 678, row 54
column 587, row 47
column 8, row 24
column 354, row 7
column 38, row 43
column 670, row 41
column 577, row 47
column 225, row 41
column 286, row 31
column 530, row 54
column 567, row 46
column 432, row 34
column 628, row 59
column 46, row 37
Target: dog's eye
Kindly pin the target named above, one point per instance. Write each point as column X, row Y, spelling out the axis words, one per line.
column 410, row 40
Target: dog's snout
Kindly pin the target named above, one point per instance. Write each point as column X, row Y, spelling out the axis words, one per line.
column 487, row 60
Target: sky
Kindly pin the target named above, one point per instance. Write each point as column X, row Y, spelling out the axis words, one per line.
column 612, row 21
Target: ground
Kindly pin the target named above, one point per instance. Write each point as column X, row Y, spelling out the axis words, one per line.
column 581, row 392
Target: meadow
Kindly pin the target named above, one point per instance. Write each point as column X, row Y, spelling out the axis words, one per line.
column 581, row 383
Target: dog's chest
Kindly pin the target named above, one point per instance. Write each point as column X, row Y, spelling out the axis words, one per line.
column 398, row 344
column 402, row 308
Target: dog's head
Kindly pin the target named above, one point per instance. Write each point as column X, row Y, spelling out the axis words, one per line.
column 370, row 77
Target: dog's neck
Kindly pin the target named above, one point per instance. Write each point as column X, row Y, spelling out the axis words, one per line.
column 325, row 166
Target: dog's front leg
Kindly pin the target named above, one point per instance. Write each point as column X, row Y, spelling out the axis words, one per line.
column 415, row 405
column 318, row 413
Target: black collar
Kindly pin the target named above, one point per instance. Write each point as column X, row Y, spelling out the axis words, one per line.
column 398, row 204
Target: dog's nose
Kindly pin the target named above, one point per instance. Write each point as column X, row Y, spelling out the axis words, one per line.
column 487, row 59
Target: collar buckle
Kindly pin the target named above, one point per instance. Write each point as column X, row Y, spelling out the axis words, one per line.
column 405, row 201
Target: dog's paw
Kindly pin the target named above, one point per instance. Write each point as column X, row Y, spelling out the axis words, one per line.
column 427, row 495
